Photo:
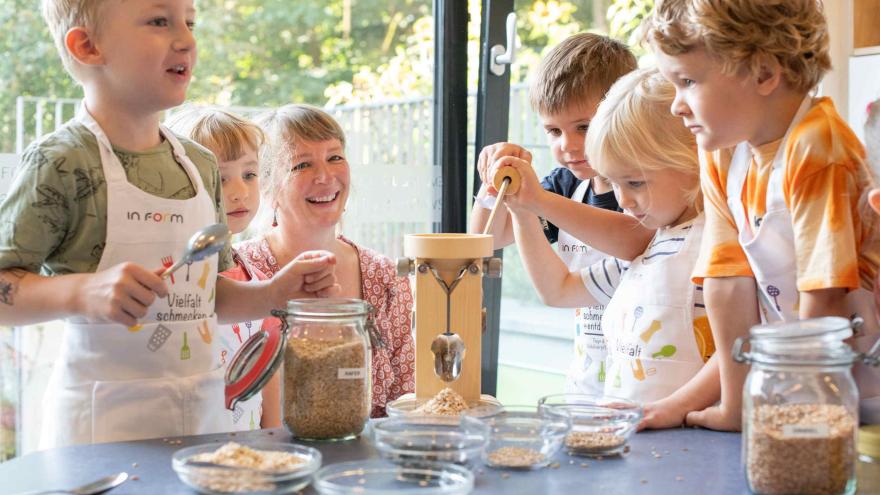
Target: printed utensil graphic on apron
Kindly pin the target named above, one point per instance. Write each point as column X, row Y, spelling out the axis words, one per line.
column 204, row 243
column 639, row 311
column 637, row 369
column 647, row 334
column 168, row 262
column 185, row 350
column 205, row 331
column 237, row 331
column 204, row 278
column 602, row 371
column 666, row 351
column 160, row 335
column 774, row 292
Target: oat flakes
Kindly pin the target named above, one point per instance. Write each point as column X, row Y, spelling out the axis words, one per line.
column 447, row 402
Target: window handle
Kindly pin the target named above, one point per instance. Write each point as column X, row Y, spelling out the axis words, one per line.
column 498, row 55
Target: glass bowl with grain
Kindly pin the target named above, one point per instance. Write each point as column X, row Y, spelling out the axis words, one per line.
column 246, row 467
column 418, row 440
column 525, row 437
column 600, row 426
column 446, row 403
column 381, row 477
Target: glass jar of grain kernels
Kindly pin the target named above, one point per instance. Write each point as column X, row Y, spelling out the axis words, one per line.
column 800, row 407
column 325, row 346
column 325, row 391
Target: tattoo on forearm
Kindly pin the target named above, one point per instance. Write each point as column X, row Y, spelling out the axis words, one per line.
column 9, row 280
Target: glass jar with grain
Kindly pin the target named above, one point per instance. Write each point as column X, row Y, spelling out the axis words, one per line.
column 800, row 407
column 325, row 349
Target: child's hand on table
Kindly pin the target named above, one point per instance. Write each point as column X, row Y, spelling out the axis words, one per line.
column 662, row 414
column 721, row 418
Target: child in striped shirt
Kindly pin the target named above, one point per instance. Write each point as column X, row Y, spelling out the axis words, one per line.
column 654, row 323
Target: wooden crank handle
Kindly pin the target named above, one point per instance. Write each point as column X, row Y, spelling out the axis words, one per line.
column 507, row 173
column 502, row 191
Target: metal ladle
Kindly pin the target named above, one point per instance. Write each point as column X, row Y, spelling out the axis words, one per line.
column 448, row 348
column 205, row 242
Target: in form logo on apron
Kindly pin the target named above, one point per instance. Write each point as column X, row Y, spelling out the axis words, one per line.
column 154, row 216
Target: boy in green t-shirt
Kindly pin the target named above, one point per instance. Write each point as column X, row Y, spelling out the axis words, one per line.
column 99, row 208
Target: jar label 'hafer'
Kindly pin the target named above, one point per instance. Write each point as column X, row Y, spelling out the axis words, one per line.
column 351, row 373
column 805, row 431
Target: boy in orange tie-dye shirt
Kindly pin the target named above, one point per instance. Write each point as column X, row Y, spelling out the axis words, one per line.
column 784, row 178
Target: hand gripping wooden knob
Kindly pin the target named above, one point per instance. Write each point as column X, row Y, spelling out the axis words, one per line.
column 506, row 181
column 507, row 173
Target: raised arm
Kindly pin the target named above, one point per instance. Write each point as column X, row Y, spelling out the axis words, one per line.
column 555, row 285
column 311, row 274
column 613, row 233
column 119, row 294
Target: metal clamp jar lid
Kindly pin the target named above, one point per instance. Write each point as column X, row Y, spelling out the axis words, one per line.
column 262, row 354
column 816, row 341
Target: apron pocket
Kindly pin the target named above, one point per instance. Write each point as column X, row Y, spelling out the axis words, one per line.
column 204, row 406
column 136, row 410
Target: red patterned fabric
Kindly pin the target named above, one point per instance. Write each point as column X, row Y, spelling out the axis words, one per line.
column 393, row 367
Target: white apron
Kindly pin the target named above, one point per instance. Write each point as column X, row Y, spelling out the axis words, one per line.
column 247, row 414
column 160, row 377
column 649, row 325
column 586, row 373
column 768, row 244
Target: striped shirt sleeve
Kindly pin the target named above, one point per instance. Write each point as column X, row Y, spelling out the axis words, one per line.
column 603, row 277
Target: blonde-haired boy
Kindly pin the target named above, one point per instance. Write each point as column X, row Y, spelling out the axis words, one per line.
column 566, row 90
column 104, row 204
column 784, row 178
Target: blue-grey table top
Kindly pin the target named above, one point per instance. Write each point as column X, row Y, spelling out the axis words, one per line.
column 661, row 462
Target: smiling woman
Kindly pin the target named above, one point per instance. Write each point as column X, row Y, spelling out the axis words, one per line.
column 305, row 180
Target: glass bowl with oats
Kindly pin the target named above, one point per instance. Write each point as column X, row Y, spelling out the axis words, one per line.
column 418, row 440
column 446, row 403
column 379, row 477
column 525, row 437
column 600, row 426
column 247, row 467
